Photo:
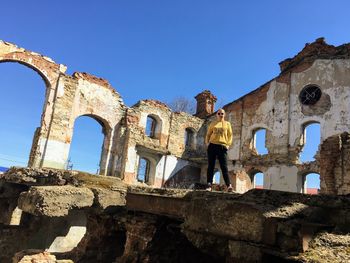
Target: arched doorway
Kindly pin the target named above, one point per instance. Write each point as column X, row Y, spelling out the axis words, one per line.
column 21, row 105
column 87, row 145
column 311, row 183
column 311, row 137
column 257, row 179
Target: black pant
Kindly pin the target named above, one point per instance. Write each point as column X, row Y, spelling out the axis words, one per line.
column 219, row 151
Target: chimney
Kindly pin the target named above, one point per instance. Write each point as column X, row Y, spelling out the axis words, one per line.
column 205, row 104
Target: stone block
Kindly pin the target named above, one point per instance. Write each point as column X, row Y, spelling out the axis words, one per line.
column 108, row 198
column 55, row 201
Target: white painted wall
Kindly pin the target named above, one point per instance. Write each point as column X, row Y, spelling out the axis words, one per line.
column 173, row 165
column 282, row 178
column 55, row 153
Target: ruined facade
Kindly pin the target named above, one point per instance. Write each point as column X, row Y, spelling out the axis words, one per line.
column 56, row 215
column 313, row 87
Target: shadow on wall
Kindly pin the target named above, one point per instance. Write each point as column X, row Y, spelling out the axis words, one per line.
column 63, row 234
column 184, row 178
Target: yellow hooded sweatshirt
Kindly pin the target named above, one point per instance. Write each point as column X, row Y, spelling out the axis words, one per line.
column 219, row 132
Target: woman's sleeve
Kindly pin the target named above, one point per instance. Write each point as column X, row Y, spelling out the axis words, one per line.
column 209, row 132
column 229, row 134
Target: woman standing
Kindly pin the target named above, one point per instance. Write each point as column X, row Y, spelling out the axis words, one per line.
column 219, row 138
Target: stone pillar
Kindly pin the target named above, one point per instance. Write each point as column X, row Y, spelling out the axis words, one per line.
column 205, row 104
column 55, row 147
column 41, row 133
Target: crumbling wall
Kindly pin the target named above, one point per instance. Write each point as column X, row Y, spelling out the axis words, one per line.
column 166, row 150
column 335, row 164
column 139, row 144
column 82, row 95
column 276, row 107
column 49, row 72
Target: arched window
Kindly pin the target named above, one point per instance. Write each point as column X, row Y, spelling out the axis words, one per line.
column 311, row 183
column 86, row 147
column 189, row 138
column 21, row 105
column 257, row 179
column 151, row 126
column 143, row 170
column 216, row 178
column 310, row 141
column 259, row 139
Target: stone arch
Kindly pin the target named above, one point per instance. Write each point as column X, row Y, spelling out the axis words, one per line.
column 44, row 66
column 49, row 71
column 30, row 66
column 303, row 137
column 306, row 189
column 107, row 134
column 106, row 126
column 252, row 175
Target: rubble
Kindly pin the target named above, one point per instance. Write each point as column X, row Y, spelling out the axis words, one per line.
column 99, row 219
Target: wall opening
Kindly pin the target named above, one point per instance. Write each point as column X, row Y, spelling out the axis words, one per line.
column 151, row 126
column 189, row 138
column 143, row 171
column 216, row 178
column 21, row 106
column 311, row 183
column 257, row 179
column 259, row 141
column 86, row 146
column 311, row 137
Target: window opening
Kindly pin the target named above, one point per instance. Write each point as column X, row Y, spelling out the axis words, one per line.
column 310, row 95
column 216, row 178
column 259, row 140
column 151, row 127
column 258, row 180
column 311, row 140
column 311, row 184
column 143, row 170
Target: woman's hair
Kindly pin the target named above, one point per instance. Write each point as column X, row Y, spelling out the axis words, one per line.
column 223, row 119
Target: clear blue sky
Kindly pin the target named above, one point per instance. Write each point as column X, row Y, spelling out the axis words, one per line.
column 156, row 49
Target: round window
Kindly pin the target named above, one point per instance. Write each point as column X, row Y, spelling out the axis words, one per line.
column 310, row 95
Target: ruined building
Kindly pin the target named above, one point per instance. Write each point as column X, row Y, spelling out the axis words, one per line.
column 312, row 87
column 56, row 215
